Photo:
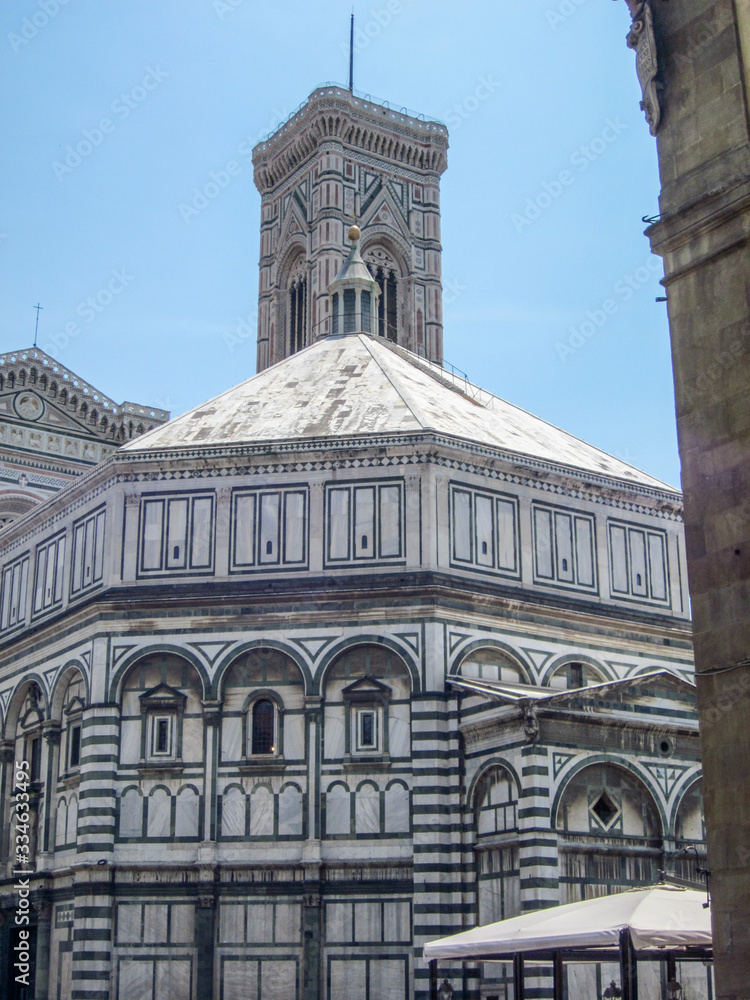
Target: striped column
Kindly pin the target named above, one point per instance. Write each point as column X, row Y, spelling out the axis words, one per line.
column 92, row 932
column 93, row 887
column 97, row 797
column 538, row 852
column 443, row 896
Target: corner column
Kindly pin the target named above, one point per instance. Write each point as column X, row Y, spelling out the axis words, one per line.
column 537, row 845
column 205, row 938
column 43, row 941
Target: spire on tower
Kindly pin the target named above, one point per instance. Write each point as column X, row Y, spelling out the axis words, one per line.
column 351, row 55
column 36, row 328
column 354, row 294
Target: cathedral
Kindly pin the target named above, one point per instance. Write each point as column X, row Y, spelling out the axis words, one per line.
column 351, row 657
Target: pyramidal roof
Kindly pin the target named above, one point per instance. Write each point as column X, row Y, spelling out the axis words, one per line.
column 356, row 386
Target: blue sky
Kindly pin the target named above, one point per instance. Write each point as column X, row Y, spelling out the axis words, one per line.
column 549, row 283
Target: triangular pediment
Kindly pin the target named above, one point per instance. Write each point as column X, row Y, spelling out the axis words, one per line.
column 36, row 411
column 367, row 688
column 294, row 222
column 162, row 696
column 75, row 705
column 385, row 211
column 654, row 686
column 35, row 389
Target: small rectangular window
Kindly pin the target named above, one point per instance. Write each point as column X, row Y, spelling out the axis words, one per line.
column 162, row 731
column 74, row 755
column 36, row 758
column 367, row 730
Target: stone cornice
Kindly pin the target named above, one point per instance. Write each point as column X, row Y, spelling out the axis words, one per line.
column 231, row 461
column 334, row 113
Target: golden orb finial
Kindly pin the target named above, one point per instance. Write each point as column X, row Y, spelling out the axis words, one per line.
column 354, row 233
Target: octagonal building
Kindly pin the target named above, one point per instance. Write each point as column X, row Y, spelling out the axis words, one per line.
column 353, row 656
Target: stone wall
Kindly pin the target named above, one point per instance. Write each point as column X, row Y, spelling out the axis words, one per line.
column 703, row 49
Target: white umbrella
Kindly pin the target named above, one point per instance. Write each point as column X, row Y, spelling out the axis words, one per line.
column 661, row 916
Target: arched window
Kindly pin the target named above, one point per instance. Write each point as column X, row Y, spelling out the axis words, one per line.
column 73, row 706
column 263, row 727
column 161, row 712
column 491, row 664
column 571, row 676
column 605, row 811
column 497, row 856
column 690, row 825
column 298, row 309
column 368, row 689
column 385, row 271
column 496, row 804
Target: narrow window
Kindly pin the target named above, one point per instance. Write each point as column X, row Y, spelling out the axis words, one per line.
column 368, row 731
column 297, row 314
column 366, row 301
column 74, row 755
column 565, row 565
column 269, row 548
column 335, row 312
column 161, row 736
column 350, row 305
column 263, row 727
column 484, row 548
column 387, row 303
column 364, row 541
column 36, row 758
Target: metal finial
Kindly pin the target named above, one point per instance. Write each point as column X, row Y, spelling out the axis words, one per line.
column 36, row 328
column 351, row 54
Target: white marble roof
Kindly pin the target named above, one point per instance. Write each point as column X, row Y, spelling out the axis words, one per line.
column 357, row 386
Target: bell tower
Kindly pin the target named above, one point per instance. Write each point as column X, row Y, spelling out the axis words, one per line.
column 342, row 158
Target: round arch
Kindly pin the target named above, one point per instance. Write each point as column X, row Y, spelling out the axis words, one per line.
column 291, row 784
column 115, row 685
column 217, row 686
column 391, row 243
column 623, row 765
column 367, row 783
column 346, row 645
column 17, row 700
column 605, row 673
column 490, row 765
column 397, row 783
column 512, row 654
column 689, row 787
column 295, row 248
column 61, row 682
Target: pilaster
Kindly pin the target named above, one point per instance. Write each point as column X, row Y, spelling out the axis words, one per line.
column 94, row 895
column 97, row 792
column 441, row 861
